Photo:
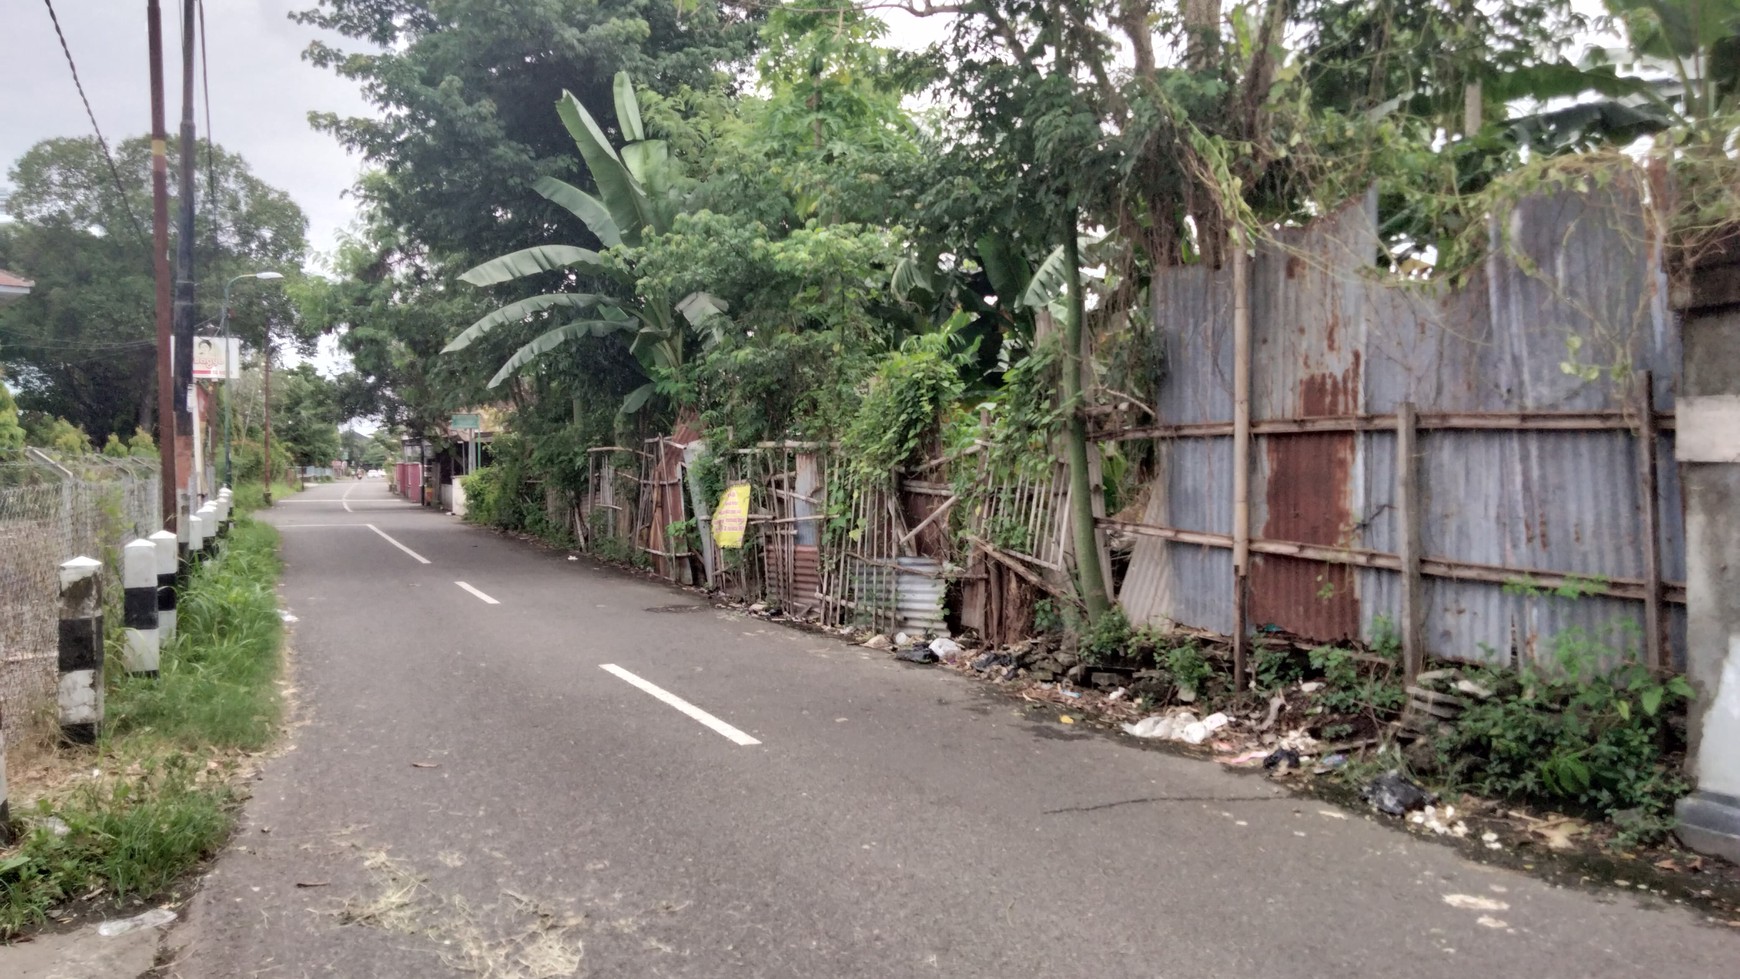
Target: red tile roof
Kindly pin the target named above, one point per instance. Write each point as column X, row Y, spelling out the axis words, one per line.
column 15, row 281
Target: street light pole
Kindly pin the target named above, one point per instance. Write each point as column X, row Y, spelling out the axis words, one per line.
column 224, row 326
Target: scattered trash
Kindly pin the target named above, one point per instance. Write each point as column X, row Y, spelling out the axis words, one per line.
column 1198, row 733
column 312, row 883
column 1275, row 704
column 1066, row 719
column 1443, row 823
column 1186, row 695
column 1071, row 694
column 1255, row 754
column 878, row 642
column 991, row 661
column 758, row 607
column 947, row 649
column 1393, row 793
column 1491, row 840
column 55, row 825
column 1117, row 694
column 285, row 615
column 154, row 918
column 572, row 558
column 1475, row 902
column 1329, row 764
column 1284, row 759
column 1311, row 687
column 902, row 639
column 916, row 654
column 1558, row 832
column 1332, row 814
column 424, row 764
column 1163, row 726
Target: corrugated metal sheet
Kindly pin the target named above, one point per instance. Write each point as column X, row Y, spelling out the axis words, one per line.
column 1330, row 339
column 919, row 592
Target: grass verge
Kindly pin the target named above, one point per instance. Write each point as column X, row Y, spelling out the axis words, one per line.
column 251, row 496
column 123, row 822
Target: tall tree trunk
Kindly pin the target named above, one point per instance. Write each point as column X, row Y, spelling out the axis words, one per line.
column 1081, row 508
column 1201, row 33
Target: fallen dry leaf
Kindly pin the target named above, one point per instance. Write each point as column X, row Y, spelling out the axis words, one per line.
column 312, row 883
column 1558, row 833
column 424, row 764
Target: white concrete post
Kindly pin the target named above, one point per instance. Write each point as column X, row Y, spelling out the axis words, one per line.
column 164, row 541
column 196, row 529
column 226, row 504
column 209, row 527
column 139, row 611
column 81, row 650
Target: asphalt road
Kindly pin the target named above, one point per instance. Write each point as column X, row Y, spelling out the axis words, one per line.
column 468, row 790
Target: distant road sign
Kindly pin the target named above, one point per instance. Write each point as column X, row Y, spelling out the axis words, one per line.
column 467, row 422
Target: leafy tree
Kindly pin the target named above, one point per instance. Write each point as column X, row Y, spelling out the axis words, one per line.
column 463, row 89
column 81, row 345
column 11, row 433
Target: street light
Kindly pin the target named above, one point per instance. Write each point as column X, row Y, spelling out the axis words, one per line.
column 224, row 325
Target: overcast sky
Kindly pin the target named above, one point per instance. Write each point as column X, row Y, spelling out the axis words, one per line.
column 261, row 90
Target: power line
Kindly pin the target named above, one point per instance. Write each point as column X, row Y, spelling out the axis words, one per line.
column 114, row 171
column 210, row 157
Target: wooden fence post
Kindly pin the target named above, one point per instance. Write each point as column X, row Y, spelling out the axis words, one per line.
column 81, row 650
column 1408, row 540
column 1656, row 652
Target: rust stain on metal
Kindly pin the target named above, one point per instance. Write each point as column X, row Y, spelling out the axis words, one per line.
column 1308, row 500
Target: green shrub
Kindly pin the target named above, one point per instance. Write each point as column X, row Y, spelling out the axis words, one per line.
column 1108, row 639
column 1188, row 667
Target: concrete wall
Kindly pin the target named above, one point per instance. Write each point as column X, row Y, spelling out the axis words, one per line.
column 1709, row 442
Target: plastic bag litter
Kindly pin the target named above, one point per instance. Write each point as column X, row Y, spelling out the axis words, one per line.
column 153, row 918
column 947, row 649
column 1393, row 793
column 1163, row 726
column 1284, row 759
column 1198, row 733
column 916, row 654
column 992, row 661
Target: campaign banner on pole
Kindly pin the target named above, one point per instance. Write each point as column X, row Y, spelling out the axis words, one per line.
column 216, row 359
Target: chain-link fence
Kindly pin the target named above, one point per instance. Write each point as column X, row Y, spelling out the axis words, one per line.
column 52, row 509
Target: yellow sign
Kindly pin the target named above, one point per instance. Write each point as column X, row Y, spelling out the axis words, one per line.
column 731, row 517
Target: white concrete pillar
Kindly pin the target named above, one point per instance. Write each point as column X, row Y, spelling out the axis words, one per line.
column 164, row 541
column 139, row 610
column 209, row 527
column 81, row 650
column 195, row 535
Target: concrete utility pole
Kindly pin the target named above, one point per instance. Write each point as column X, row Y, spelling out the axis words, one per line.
column 160, row 265
column 184, row 297
column 266, row 401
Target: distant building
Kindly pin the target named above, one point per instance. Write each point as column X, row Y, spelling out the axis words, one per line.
column 13, row 287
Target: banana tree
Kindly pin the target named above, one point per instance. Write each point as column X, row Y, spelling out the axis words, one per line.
column 637, row 199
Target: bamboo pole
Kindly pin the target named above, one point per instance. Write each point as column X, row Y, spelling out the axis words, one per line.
column 1408, row 542
column 1241, row 451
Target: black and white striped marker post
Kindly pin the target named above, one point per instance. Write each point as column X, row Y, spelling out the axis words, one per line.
column 208, row 528
column 183, row 553
column 5, row 812
column 164, row 540
column 195, row 536
column 139, row 578
column 81, row 650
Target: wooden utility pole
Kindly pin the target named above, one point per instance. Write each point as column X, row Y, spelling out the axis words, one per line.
column 266, row 400
column 184, row 299
column 160, row 265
